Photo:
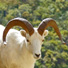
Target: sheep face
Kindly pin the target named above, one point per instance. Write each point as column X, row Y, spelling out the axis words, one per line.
column 34, row 42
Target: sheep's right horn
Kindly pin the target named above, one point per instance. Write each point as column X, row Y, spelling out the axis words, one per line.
column 18, row 22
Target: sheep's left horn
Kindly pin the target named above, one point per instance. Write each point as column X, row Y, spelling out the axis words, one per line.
column 18, row 22
column 49, row 22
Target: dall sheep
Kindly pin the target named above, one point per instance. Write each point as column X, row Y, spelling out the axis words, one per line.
column 21, row 49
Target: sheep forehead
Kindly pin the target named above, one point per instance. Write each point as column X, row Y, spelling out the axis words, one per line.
column 35, row 35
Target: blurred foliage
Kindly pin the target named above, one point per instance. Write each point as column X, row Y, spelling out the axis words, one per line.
column 54, row 53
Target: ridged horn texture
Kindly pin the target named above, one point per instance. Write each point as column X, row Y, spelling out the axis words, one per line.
column 18, row 22
column 49, row 22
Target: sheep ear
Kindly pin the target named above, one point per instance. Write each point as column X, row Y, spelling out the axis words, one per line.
column 45, row 33
column 23, row 33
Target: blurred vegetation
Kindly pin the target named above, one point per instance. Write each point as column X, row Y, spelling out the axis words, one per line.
column 54, row 53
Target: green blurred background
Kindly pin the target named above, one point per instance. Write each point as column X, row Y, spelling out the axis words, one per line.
column 54, row 53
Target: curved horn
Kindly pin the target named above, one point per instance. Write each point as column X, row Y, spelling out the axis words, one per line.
column 18, row 22
column 49, row 22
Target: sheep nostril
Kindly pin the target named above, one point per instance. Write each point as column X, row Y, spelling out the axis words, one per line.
column 37, row 55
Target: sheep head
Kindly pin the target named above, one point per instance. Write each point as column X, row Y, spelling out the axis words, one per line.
column 34, row 42
column 34, row 36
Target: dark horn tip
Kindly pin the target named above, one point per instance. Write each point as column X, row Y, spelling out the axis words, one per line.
column 63, row 43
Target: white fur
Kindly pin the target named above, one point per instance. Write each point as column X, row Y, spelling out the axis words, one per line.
column 18, row 53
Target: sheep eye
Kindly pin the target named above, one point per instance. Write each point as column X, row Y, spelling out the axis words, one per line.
column 27, row 40
column 43, row 40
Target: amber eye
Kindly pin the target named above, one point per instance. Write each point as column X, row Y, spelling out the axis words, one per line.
column 43, row 40
column 27, row 40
